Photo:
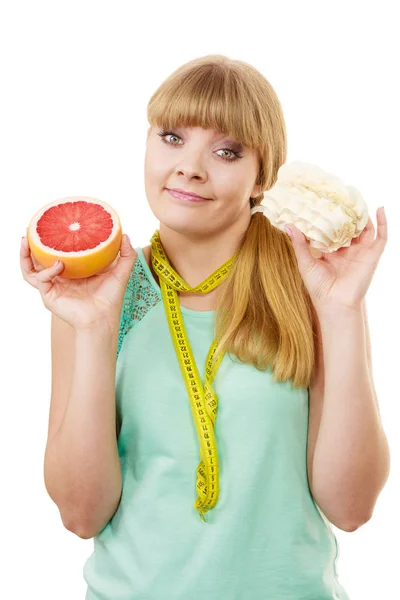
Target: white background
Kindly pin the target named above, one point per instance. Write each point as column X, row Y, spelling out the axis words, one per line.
column 75, row 81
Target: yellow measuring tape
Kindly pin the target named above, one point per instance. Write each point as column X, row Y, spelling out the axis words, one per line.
column 203, row 401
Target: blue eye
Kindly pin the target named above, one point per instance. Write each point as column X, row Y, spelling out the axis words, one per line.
column 164, row 133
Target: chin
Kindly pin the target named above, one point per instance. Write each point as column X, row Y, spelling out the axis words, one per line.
column 177, row 220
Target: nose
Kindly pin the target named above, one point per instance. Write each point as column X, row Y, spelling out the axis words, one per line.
column 191, row 166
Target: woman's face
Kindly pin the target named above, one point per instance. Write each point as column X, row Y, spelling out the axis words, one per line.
column 204, row 162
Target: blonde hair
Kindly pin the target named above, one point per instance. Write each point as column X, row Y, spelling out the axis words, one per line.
column 264, row 314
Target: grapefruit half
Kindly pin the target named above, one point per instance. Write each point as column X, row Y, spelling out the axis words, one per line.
column 83, row 232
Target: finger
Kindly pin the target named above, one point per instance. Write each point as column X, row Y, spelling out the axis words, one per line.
column 368, row 233
column 45, row 278
column 27, row 267
column 126, row 259
column 305, row 259
column 382, row 230
column 126, row 252
column 123, row 260
column 35, row 265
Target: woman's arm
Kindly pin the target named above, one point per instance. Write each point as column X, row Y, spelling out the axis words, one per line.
column 351, row 459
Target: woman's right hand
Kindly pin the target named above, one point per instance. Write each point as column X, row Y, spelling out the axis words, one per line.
column 81, row 302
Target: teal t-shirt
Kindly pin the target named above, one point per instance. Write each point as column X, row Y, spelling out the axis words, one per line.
column 266, row 539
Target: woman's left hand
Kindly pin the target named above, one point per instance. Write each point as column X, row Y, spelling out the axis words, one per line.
column 342, row 277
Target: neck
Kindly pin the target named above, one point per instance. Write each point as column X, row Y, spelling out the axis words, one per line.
column 196, row 257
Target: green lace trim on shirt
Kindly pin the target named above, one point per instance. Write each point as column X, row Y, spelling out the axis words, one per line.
column 140, row 296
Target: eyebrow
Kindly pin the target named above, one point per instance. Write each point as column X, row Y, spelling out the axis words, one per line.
column 221, row 134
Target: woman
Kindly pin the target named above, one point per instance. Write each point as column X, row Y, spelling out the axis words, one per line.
column 207, row 490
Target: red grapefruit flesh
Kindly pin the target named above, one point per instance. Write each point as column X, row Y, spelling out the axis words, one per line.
column 83, row 232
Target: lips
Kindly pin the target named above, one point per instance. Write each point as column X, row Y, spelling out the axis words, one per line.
column 179, row 193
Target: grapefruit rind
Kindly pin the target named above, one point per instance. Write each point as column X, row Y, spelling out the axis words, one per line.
column 79, row 264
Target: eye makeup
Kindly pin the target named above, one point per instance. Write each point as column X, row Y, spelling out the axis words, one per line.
column 234, row 147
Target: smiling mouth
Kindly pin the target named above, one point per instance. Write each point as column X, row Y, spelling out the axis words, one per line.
column 187, row 197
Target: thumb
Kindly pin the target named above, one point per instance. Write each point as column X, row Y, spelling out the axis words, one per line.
column 300, row 245
column 126, row 246
column 124, row 261
column 127, row 254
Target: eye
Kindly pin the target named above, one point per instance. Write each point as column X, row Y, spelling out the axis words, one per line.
column 235, row 154
column 163, row 134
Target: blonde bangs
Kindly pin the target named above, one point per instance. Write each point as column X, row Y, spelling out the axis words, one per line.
column 208, row 95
